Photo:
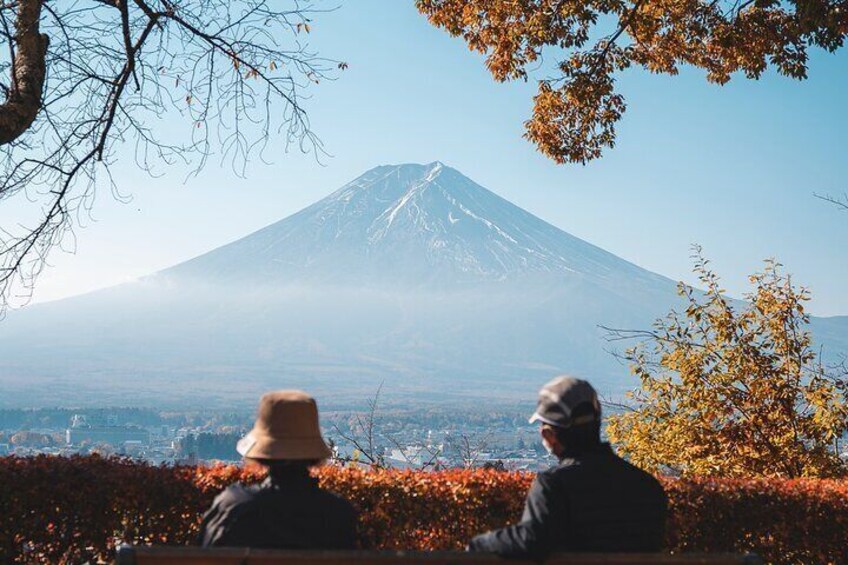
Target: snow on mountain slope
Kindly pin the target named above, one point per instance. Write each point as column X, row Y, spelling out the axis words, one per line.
column 422, row 223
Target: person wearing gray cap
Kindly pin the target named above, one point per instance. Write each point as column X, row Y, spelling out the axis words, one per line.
column 288, row 510
column 592, row 500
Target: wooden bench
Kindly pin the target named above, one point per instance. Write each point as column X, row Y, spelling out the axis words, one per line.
column 129, row 555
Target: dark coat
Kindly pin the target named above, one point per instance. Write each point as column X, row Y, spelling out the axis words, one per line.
column 286, row 511
column 593, row 502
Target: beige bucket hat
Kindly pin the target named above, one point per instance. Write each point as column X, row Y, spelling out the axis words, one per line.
column 286, row 428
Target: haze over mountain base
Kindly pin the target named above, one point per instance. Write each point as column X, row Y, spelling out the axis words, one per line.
column 412, row 276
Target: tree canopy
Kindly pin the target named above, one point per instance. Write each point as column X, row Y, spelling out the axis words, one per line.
column 86, row 76
column 576, row 108
column 734, row 389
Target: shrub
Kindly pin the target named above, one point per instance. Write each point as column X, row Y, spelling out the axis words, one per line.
column 734, row 390
column 71, row 510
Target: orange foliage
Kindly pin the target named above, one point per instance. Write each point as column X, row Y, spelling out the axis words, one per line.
column 71, row 510
column 593, row 41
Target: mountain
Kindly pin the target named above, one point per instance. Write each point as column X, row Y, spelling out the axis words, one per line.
column 425, row 225
column 410, row 275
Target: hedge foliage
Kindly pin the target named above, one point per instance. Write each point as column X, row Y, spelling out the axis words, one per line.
column 72, row 510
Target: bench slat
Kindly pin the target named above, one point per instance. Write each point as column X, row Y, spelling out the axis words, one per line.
column 235, row 556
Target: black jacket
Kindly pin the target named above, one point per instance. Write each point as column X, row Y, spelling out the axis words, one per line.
column 286, row 511
column 593, row 502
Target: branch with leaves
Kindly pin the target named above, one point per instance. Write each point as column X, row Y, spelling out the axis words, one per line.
column 734, row 388
column 577, row 106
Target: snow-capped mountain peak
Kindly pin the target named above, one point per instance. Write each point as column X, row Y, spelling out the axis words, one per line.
column 411, row 222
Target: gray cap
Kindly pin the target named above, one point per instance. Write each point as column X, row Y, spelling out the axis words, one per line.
column 559, row 398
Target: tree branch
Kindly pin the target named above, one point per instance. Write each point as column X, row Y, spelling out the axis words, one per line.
column 23, row 101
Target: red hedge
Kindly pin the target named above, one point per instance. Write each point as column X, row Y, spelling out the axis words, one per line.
column 72, row 510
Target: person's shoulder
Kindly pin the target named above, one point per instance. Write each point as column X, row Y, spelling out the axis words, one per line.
column 584, row 464
column 648, row 481
column 554, row 475
column 567, row 466
column 235, row 495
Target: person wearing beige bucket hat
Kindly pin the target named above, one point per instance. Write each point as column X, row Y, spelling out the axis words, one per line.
column 288, row 510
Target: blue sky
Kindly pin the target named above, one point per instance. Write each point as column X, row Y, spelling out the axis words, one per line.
column 732, row 168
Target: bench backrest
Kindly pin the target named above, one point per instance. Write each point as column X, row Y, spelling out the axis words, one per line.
column 236, row 556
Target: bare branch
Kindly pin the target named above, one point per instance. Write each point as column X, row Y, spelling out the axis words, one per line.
column 840, row 202
column 469, row 448
column 235, row 72
column 364, row 435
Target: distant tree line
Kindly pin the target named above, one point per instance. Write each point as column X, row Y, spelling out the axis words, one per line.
column 58, row 418
column 207, row 445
